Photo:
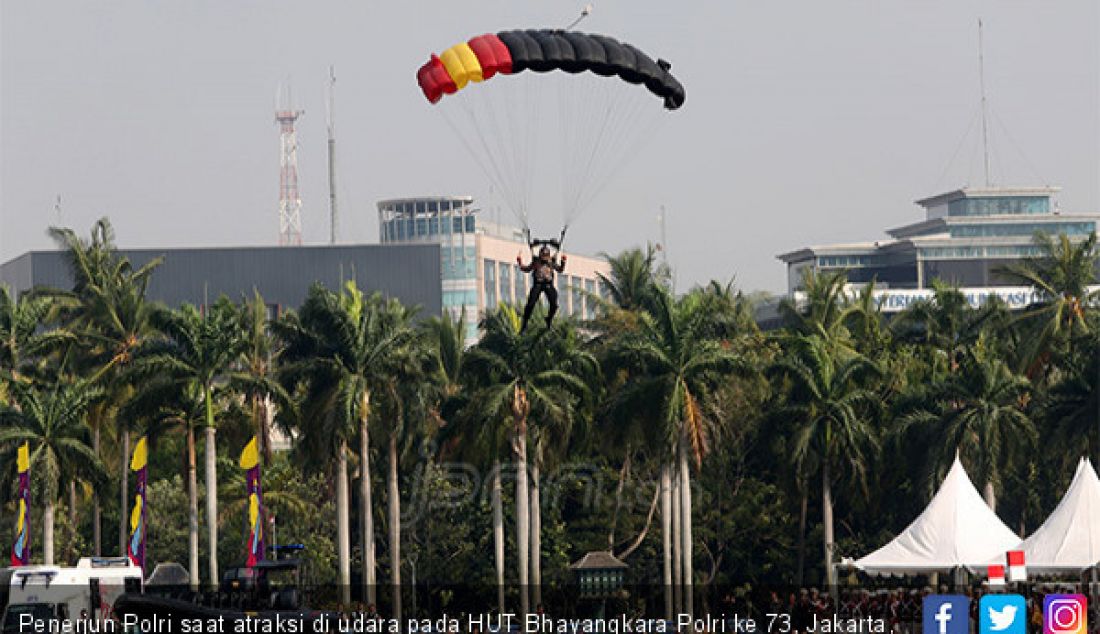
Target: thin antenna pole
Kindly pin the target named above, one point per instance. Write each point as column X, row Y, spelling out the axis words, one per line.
column 663, row 220
column 584, row 14
column 985, row 125
column 332, row 155
column 664, row 236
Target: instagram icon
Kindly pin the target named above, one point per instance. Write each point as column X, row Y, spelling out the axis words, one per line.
column 1064, row 614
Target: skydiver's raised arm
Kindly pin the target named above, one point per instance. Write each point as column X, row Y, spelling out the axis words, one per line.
column 526, row 268
column 560, row 266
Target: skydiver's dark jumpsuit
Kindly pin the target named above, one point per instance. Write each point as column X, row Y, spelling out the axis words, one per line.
column 542, row 270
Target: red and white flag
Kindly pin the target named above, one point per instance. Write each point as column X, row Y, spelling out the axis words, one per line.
column 996, row 576
column 1017, row 570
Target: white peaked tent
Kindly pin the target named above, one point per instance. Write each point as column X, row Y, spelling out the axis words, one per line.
column 1069, row 540
column 955, row 530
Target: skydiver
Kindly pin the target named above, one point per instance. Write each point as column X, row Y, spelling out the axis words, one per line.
column 542, row 270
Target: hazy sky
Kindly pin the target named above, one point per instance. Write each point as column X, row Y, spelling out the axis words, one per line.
column 806, row 122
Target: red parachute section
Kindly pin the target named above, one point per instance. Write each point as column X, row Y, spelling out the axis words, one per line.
column 492, row 55
column 434, row 80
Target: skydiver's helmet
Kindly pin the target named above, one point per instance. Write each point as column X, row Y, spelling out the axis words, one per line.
column 544, row 253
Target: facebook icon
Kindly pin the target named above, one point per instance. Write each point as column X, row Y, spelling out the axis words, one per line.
column 946, row 614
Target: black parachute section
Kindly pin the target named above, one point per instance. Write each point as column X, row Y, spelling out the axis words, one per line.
column 547, row 50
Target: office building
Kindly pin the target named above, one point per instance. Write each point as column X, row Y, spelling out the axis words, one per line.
column 965, row 238
column 478, row 257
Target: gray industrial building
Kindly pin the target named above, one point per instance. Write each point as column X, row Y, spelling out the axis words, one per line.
column 282, row 275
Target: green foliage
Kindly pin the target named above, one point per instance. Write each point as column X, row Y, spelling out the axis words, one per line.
column 842, row 397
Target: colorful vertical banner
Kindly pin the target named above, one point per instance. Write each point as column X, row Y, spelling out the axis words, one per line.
column 136, row 548
column 21, row 548
column 250, row 462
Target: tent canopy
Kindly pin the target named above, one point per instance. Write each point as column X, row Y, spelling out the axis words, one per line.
column 1069, row 540
column 956, row 529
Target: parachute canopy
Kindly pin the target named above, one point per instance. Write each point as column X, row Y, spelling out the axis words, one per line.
column 541, row 51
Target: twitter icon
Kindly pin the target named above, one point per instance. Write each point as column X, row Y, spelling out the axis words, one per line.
column 1002, row 614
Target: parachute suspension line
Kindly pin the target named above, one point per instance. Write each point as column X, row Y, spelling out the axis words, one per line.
column 625, row 147
column 494, row 174
column 497, row 159
column 601, row 125
column 470, row 150
column 495, row 153
column 642, row 115
column 526, row 123
column 515, row 128
column 571, row 207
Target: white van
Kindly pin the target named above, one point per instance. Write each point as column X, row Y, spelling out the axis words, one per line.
column 58, row 597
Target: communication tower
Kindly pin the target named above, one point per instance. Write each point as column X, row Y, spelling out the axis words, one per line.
column 290, row 200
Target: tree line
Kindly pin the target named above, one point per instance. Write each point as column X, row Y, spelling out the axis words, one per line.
column 668, row 430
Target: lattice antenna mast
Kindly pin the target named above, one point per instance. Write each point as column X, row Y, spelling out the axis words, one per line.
column 985, row 110
column 290, row 200
column 332, row 155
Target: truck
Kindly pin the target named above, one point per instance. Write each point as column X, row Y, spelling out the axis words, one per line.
column 58, row 596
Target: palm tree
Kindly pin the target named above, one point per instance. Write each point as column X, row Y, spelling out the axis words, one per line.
column 400, row 379
column 976, row 413
column 445, row 338
column 51, row 419
column 463, row 433
column 514, row 376
column 25, row 337
column 160, row 405
column 828, row 400
column 552, row 431
column 825, row 310
column 867, row 324
column 632, row 279
column 945, row 324
column 630, row 286
column 111, row 319
column 343, row 348
column 196, row 353
column 675, row 368
column 255, row 375
column 1071, row 403
column 1062, row 276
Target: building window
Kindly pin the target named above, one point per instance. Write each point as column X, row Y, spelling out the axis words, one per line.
column 999, row 206
column 490, row 272
column 1023, row 229
column 520, row 284
column 458, row 299
column 563, row 294
column 506, row 283
column 842, row 261
column 576, row 286
column 459, row 265
column 590, row 299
